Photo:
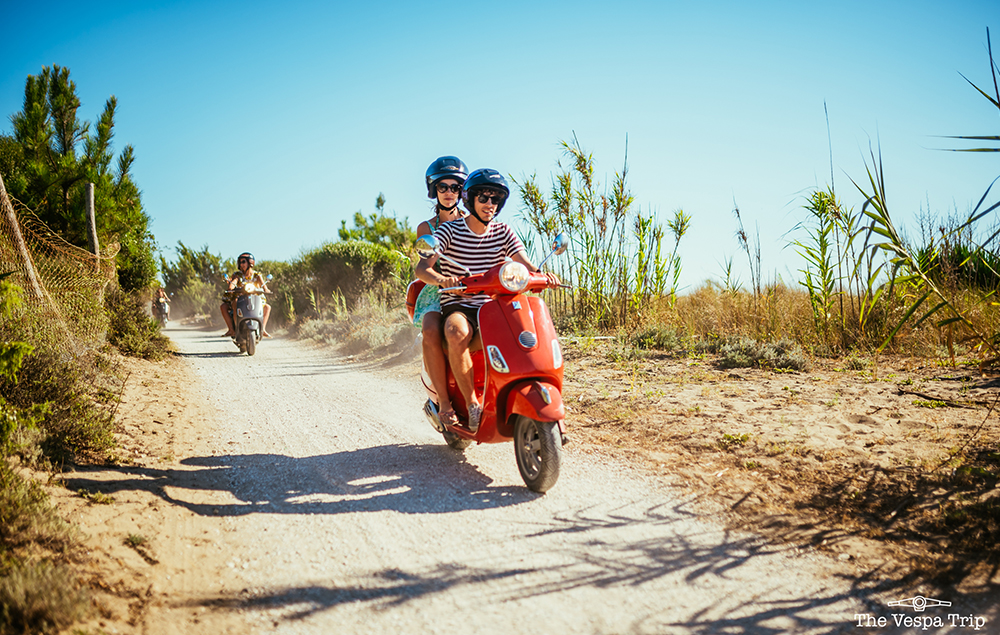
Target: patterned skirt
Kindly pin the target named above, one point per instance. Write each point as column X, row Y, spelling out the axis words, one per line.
column 428, row 301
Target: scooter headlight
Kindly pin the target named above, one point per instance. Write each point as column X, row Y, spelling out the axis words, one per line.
column 250, row 287
column 514, row 277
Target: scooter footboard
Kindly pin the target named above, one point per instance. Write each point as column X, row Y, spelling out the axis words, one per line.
column 538, row 400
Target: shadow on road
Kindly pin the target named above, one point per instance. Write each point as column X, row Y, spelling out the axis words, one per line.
column 637, row 546
column 412, row 479
column 595, row 556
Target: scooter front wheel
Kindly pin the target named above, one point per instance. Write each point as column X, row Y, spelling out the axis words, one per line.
column 538, row 449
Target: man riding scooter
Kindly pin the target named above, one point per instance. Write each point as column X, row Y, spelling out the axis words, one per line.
column 478, row 243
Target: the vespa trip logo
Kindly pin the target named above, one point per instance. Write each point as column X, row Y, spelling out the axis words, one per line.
column 918, row 604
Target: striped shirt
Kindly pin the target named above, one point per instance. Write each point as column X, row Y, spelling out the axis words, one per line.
column 478, row 253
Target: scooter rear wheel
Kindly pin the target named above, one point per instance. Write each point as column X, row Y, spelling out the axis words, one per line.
column 538, row 449
column 455, row 442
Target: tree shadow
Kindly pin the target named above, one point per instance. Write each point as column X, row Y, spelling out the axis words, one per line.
column 594, row 555
column 947, row 518
column 410, row 479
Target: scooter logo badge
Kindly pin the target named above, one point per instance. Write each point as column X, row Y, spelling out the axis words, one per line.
column 919, row 602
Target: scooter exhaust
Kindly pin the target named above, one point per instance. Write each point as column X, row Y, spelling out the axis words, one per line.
column 431, row 411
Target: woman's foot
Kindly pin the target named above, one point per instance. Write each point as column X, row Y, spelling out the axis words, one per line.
column 228, row 334
column 448, row 417
column 265, row 334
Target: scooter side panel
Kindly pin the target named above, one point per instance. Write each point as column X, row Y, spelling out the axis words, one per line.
column 502, row 321
column 412, row 292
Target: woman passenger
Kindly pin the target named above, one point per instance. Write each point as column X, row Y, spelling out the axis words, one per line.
column 445, row 178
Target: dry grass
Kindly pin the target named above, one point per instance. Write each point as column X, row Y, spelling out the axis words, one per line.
column 40, row 598
column 373, row 326
column 37, row 594
column 836, row 457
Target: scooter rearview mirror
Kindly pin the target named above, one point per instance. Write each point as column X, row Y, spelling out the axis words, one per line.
column 559, row 246
column 427, row 246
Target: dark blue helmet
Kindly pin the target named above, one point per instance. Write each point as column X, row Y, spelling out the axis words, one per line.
column 480, row 179
column 445, row 168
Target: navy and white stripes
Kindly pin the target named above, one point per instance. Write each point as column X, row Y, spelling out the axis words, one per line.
column 478, row 253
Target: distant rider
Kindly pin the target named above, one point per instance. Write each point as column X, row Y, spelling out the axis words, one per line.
column 480, row 243
column 161, row 304
column 237, row 280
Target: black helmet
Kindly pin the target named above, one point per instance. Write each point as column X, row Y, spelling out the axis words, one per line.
column 480, row 179
column 444, row 168
column 247, row 255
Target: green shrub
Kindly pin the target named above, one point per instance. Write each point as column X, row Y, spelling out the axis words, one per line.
column 196, row 297
column 659, row 337
column 26, row 516
column 195, row 280
column 350, row 268
column 39, row 598
column 131, row 330
column 80, row 393
column 375, row 325
column 744, row 352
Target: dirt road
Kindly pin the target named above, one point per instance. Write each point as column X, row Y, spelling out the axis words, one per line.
column 315, row 498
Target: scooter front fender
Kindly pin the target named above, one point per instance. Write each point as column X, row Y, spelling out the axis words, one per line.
column 538, row 400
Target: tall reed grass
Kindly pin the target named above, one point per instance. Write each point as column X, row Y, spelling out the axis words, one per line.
column 859, row 291
column 618, row 262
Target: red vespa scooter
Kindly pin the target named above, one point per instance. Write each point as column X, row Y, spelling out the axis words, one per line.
column 519, row 376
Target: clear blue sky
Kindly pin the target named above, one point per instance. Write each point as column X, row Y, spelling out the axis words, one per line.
column 261, row 126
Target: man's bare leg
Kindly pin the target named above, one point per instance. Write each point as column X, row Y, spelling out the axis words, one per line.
column 263, row 326
column 458, row 334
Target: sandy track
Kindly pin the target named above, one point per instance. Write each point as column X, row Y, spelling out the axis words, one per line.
column 314, row 498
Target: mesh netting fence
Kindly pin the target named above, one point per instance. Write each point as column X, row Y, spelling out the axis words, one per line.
column 62, row 285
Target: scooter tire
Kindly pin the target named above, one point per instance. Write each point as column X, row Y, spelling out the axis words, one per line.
column 251, row 343
column 538, row 450
column 455, row 442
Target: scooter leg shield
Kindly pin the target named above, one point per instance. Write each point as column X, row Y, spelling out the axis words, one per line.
column 538, row 400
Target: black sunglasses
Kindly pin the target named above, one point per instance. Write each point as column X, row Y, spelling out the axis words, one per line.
column 496, row 199
column 454, row 187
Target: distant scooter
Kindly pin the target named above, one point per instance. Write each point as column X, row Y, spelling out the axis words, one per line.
column 522, row 384
column 249, row 317
column 161, row 311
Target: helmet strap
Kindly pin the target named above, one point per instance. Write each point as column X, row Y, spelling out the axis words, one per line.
column 485, row 223
column 441, row 207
